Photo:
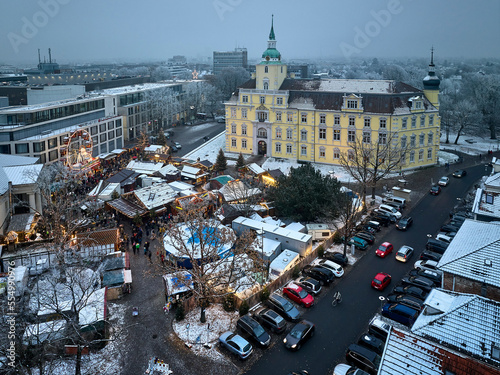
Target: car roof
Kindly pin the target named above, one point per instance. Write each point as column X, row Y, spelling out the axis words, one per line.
column 404, row 249
column 386, row 244
column 292, row 285
column 370, row 354
column 240, row 341
column 380, row 276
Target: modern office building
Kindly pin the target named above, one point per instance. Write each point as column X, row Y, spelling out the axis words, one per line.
column 319, row 120
column 232, row 59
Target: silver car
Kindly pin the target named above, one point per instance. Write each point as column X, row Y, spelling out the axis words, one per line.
column 236, row 344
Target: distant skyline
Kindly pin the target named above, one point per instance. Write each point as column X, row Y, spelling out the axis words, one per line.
column 121, row 31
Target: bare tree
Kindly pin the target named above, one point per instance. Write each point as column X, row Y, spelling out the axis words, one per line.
column 348, row 215
column 465, row 115
column 219, row 259
column 244, row 194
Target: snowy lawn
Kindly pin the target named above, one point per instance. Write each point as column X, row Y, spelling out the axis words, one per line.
column 220, row 321
column 104, row 361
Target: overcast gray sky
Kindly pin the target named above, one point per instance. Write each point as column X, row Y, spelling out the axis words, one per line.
column 138, row 30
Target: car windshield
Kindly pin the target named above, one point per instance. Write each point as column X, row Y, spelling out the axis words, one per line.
column 297, row 331
column 382, row 248
column 376, row 281
column 287, row 306
column 302, row 293
column 247, row 347
column 258, row 330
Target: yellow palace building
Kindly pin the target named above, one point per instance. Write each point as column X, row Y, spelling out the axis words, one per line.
column 315, row 120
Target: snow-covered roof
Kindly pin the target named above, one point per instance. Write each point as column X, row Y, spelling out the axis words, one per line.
column 493, row 182
column 144, row 167
column 474, row 253
column 155, row 195
column 23, row 174
column 175, row 282
column 108, row 190
column 168, row 169
column 4, row 182
column 8, row 160
column 236, row 190
column 486, row 203
column 269, row 228
column 283, row 260
column 467, row 323
column 255, row 168
column 408, row 354
column 46, row 331
column 94, row 309
column 298, row 227
column 267, row 246
column 154, row 148
column 180, row 186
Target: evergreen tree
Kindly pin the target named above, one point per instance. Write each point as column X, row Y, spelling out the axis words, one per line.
column 221, row 161
column 240, row 163
column 305, row 194
column 162, row 140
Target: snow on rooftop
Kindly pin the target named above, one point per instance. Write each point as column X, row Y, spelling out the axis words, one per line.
column 23, row 174
column 156, row 195
column 465, row 322
column 144, row 167
column 474, row 253
column 357, row 86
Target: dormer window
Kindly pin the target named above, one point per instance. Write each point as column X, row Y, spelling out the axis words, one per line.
column 495, row 352
column 418, row 105
column 352, row 104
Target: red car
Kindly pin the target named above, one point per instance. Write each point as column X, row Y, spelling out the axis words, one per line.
column 298, row 295
column 381, row 280
column 435, row 190
column 384, row 249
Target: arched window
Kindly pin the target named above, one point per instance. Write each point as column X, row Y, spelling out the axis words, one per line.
column 262, row 133
column 266, row 69
column 266, row 85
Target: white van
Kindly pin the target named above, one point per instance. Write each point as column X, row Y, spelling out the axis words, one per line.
column 390, row 210
column 319, row 231
column 398, row 200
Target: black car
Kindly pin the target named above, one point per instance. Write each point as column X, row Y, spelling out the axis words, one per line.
column 434, row 276
column 338, row 258
column 363, row 358
column 312, row 286
column 173, row 148
column 459, row 173
column 254, row 330
column 370, row 238
column 271, row 319
column 436, row 245
column 367, row 228
column 450, row 228
column 411, row 290
column 299, row 334
column 322, row 274
column 406, row 299
column 419, row 281
column 283, row 307
column 430, row 255
column 371, row 342
column 404, row 223
column 381, row 217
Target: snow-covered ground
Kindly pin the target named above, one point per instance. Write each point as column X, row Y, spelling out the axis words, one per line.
column 105, row 361
column 220, row 321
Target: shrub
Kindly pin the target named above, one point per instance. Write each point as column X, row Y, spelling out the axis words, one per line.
column 179, row 312
column 228, row 304
column 264, row 295
column 244, row 308
column 296, row 272
column 337, row 238
column 321, row 251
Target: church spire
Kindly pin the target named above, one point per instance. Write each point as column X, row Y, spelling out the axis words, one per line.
column 271, row 34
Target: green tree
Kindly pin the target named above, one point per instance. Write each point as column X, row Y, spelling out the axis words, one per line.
column 221, row 161
column 240, row 163
column 305, row 194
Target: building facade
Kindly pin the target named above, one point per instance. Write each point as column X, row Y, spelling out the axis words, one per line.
column 231, row 59
column 317, row 120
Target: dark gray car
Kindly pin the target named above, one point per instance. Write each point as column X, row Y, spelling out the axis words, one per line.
column 283, row 307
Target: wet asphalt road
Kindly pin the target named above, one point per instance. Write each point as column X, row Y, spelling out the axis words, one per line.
column 338, row 327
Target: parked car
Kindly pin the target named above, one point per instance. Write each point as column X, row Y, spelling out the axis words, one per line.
column 390, row 210
column 384, row 249
column 344, row 369
column 371, row 342
column 252, row 328
column 400, row 313
column 299, row 334
column 399, row 200
column 370, row 238
column 283, row 307
column 404, row 253
column 404, row 223
column 443, row 237
column 379, row 328
column 337, row 270
column 436, row 245
column 366, row 228
column 338, row 258
column 450, row 228
column 430, row 255
column 363, row 358
column 435, row 190
column 427, row 265
column 374, row 224
column 173, row 148
column 459, row 173
column 312, row 286
column 360, row 243
column 271, row 319
column 323, row 275
column 236, row 344
column 431, row 275
column 419, row 281
column 444, row 181
column 411, row 290
column 381, row 280
column 396, row 205
column 298, row 295
column 406, row 299
column 381, row 217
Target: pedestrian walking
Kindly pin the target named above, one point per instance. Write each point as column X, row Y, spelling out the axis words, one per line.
column 137, row 247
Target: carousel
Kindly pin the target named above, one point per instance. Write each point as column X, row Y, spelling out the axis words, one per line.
column 77, row 152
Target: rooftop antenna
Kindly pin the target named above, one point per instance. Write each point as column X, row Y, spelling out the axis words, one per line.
column 39, row 61
column 50, row 57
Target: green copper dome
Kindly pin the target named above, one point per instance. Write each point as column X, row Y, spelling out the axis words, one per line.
column 273, row 53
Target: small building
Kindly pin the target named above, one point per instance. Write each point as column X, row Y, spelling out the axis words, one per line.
column 267, row 249
column 195, row 176
column 126, row 178
column 486, row 206
column 285, row 261
column 156, row 149
column 177, row 285
column 319, row 232
column 118, row 283
column 169, row 172
column 144, row 167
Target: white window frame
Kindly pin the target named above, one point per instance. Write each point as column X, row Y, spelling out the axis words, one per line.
column 303, row 150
